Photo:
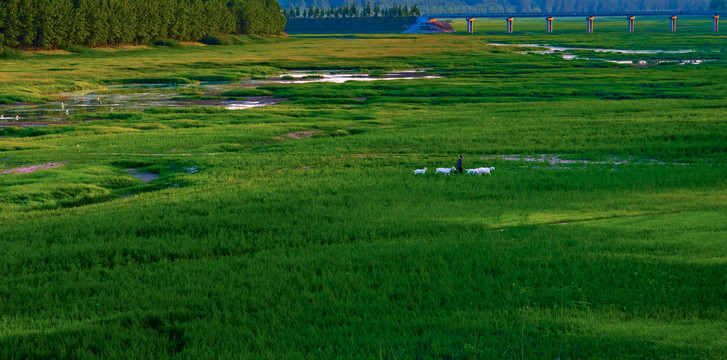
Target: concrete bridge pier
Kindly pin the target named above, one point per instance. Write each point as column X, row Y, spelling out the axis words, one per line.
column 589, row 24
column 549, row 24
column 674, row 23
column 509, row 25
column 631, row 23
column 715, row 23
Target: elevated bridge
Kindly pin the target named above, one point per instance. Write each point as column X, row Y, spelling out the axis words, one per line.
column 589, row 16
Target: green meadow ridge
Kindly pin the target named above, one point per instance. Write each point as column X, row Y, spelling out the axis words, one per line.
column 198, row 232
column 62, row 23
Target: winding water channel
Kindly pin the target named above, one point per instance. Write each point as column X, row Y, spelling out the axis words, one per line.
column 137, row 97
column 564, row 52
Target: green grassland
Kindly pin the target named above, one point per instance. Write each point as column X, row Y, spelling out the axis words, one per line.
column 254, row 245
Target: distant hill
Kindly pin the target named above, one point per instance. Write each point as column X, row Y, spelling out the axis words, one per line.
column 536, row 6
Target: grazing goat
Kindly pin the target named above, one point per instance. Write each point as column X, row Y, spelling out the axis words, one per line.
column 444, row 170
column 473, row 171
column 485, row 170
column 420, row 171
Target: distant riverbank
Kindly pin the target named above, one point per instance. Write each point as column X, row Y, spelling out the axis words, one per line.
column 368, row 25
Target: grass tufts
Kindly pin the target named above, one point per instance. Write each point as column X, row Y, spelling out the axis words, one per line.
column 153, row 80
column 247, row 93
column 82, row 50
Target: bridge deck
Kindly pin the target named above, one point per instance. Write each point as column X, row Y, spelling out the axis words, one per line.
column 578, row 14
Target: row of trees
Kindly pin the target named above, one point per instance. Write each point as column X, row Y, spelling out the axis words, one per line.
column 350, row 10
column 535, row 6
column 59, row 23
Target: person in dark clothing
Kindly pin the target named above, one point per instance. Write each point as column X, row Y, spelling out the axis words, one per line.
column 459, row 165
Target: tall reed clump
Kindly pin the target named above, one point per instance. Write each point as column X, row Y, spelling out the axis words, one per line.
column 9, row 53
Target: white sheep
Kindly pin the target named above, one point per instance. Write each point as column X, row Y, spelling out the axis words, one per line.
column 485, row 170
column 473, row 171
column 420, row 171
column 444, row 170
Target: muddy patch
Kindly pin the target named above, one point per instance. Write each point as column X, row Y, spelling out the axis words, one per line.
column 32, row 168
column 551, row 159
column 146, row 177
column 32, row 123
column 296, row 135
column 137, row 154
column 558, row 161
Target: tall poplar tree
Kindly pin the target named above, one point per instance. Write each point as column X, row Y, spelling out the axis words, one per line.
column 26, row 17
column 9, row 23
column 46, row 24
column 2, row 22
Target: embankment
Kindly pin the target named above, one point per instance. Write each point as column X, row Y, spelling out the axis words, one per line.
column 365, row 25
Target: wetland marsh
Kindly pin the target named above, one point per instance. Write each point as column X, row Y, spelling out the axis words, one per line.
column 298, row 230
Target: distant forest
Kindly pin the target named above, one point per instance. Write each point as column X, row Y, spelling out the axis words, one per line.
column 60, row 23
column 509, row 6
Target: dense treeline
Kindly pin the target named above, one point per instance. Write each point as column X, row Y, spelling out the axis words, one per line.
column 350, row 10
column 60, row 23
column 535, row 6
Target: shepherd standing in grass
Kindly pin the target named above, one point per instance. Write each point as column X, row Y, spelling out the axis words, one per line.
column 459, row 165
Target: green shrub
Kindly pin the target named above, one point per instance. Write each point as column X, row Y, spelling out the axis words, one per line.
column 215, row 78
column 216, row 40
column 8, row 99
column 81, row 50
column 340, row 132
column 168, row 43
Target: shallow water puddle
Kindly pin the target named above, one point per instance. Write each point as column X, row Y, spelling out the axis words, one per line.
column 299, row 77
column 254, row 102
column 146, row 177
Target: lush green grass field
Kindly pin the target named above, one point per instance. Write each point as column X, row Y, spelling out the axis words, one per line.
column 248, row 246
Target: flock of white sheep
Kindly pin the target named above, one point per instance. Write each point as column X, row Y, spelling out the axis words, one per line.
column 478, row 171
